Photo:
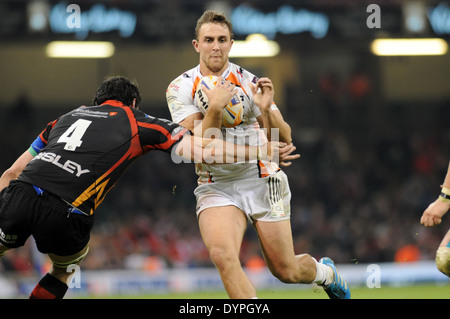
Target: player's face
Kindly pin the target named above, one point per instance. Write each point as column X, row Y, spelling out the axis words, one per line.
column 213, row 44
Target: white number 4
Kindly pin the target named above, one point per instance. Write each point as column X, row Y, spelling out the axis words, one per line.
column 72, row 137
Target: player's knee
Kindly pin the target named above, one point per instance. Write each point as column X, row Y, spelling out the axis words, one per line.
column 60, row 273
column 223, row 257
column 443, row 260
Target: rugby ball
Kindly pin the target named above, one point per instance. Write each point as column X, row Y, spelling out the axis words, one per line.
column 232, row 113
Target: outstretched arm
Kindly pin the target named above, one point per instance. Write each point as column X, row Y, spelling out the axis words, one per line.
column 217, row 151
column 437, row 209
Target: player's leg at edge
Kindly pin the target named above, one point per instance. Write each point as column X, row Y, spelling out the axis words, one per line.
column 54, row 284
column 443, row 255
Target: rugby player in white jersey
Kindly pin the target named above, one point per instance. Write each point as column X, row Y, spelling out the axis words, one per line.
column 229, row 195
column 433, row 215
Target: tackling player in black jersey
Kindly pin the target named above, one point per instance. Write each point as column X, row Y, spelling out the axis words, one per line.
column 52, row 190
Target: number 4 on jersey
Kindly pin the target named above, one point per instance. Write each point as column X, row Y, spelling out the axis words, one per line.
column 72, row 137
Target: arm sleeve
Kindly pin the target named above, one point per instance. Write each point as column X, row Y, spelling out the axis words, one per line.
column 41, row 141
column 37, row 146
column 159, row 134
column 180, row 99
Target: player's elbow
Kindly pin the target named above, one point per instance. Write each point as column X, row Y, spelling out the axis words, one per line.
column 7, row 176
column 287, row 140
column 11, row 173
column 288, row 135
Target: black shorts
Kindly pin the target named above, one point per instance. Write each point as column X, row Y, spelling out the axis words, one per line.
column 23, row 213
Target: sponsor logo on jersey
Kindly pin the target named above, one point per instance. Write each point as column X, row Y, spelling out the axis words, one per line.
column 7, row 238
column 69, row 166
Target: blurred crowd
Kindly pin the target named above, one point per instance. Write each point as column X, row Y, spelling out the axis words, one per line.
column 358, row 192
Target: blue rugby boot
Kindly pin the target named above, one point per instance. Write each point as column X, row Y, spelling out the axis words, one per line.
column 338, row 289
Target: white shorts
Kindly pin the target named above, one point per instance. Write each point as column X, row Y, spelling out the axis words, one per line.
column 265, row 199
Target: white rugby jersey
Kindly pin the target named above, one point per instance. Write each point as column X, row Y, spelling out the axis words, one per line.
column 180, row 99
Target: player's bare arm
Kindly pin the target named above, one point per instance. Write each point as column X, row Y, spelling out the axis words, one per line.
column 263, row 93
column 192, row 121
column 218, row 151
column 16, row 168
column 436, row 210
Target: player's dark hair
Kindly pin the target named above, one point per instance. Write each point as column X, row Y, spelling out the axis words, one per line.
column 117, row 88
column 213, row 17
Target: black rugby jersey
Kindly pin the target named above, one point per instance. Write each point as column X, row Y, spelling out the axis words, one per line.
column 82, row 154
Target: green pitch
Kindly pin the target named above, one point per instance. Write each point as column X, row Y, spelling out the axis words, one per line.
column 387, row 292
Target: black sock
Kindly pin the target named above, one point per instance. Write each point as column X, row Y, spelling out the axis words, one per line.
column 49, row 288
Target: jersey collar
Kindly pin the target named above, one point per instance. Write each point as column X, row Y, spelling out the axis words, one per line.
column 113, row 103
column 224, row 75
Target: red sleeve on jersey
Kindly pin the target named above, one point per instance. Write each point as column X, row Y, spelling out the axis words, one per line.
column 170, row 139
column 45, row 132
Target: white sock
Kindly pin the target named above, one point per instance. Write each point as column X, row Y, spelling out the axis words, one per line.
column 324, row 274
